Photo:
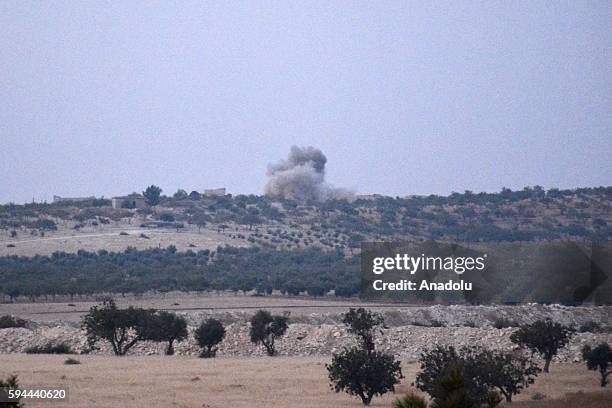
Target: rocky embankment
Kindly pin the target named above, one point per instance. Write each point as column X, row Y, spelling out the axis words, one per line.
column 408, row 331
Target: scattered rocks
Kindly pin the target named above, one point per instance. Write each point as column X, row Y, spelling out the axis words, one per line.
column 406, row 335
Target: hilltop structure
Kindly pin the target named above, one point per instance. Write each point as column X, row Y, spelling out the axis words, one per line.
column 129, row 201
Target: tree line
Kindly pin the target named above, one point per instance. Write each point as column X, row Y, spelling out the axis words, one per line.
column 311, row 271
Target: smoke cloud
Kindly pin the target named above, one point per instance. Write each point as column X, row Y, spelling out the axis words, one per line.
column 302, row 177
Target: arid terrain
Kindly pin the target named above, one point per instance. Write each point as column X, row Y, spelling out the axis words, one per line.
column 279, row 382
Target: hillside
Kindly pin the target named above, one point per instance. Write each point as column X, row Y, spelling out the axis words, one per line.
column 202, row 222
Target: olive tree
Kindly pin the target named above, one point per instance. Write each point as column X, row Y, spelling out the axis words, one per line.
column 599, row 358
column 507, row 372
column 364, row 373
column 543, row 337
column 210, row 333
column 167, row 327
column 266, row 328
column 363, row 323
column 121, row 327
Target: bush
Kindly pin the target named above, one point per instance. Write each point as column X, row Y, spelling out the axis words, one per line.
column 410, row 400
column 599, row 358
column 364, row 373
column 266, row 328
column 10, row 382
column 50, row 348
column 8, row 321
column 210, row 333
column 504, row 323
column 71, row 361
column 544, row 337
column 590, row 327
column 167, row 217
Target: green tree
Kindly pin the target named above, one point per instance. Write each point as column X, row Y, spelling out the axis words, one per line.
column 210, row 333
column 166, row 327
column 180, row 194
column 152, row 194
column 543, row 337
column 266, row 328
column 363, row 323
column 599, row 358
column 121, row 327
column 364, row 373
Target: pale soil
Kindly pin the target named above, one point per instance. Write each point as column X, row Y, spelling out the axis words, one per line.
column 281, row 382
column 109, row 238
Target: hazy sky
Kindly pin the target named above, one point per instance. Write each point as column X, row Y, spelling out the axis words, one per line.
column 403, row 97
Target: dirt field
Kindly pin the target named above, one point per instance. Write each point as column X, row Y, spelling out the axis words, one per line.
column 157, row 381
column 111, row 239
column 54, row 311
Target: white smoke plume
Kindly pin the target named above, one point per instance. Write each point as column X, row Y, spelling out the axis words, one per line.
column 302, row 177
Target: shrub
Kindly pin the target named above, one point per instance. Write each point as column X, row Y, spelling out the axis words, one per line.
column 538, row 397
column 410, row 400
column 210, row 333
column 50, row 348
column 121, row 327
column 544, row 337
column 71, row 361
column 266, row 328
column 167, row 217
column 599, row 358
column 45, row 225
column 504, row 323
column 10, row 382
column 364, row 373
column 590, row 327
column 8, row 321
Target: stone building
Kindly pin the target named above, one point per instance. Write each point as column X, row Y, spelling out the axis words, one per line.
column 129, row 201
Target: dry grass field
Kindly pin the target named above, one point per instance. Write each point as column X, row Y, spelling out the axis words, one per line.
column 280, row 382
column 112, row 239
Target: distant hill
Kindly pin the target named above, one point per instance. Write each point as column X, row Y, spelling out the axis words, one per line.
column 253, row 243
column 531, row 214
